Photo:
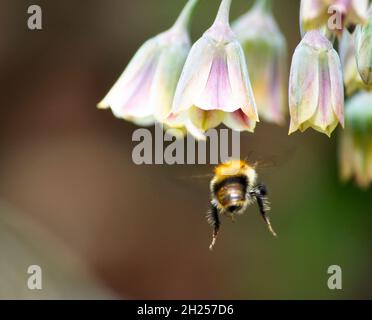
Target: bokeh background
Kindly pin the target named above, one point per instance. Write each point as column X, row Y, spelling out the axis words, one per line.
column 67, row 179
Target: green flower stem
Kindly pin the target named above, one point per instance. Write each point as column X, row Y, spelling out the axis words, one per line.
column 266, row 5
column 223, row 15
column 183, row 20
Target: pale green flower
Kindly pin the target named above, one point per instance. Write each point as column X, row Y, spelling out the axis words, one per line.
column 316, row 91
column 363, row 42
column 356, row 140
column 265, row 50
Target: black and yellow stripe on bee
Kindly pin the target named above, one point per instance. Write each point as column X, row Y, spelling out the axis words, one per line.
column 231, row 192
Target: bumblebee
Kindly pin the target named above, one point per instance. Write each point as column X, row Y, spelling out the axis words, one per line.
column 233, row 188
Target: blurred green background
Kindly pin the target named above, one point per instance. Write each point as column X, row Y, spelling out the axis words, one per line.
column 141, row 230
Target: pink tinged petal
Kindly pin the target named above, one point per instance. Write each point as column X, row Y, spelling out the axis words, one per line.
column 337, row 87
column 166, row 78
column 137, row 103
column 265, row 51
column 347, row 58
column 311, row 9
column 242, row 94
column 128, row 95
column 324, row 117
column 358, row 11
column 176, row 121
column 194, row 76
column 303, row 86
column 312, row 14
column 364, row 51
column 239, row 121
column 273, row 109
column 217, row 94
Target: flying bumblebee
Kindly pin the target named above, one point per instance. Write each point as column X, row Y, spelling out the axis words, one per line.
column 233, row 188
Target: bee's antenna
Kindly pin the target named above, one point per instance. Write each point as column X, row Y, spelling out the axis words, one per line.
column 248, row 156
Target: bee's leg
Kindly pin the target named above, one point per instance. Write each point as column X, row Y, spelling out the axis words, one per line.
column 214, row 221
column 260, row 193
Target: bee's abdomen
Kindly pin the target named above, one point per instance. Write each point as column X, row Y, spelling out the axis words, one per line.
column 231, row 192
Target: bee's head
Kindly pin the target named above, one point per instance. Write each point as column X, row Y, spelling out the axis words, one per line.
column 236, row 167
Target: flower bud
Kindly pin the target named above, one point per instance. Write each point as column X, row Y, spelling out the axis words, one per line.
column 356, row 140
column 364, row 49
column 352, row 78
column 316, row 91
column 266, row 55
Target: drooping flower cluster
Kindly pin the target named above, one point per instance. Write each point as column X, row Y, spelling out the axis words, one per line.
column 203, row 86
column 235, row 75
column 319, row 77
column 356, row 140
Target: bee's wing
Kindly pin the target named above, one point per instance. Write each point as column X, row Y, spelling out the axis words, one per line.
column 192, row 178
column 271, row 161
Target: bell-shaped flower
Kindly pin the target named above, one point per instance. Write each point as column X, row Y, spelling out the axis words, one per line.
column 265, row 50
column 356, row 140
column 364, row 49
column 335, row 14
column 145, row 91
column 316, row 91
column 214, row 87
column 352, row 79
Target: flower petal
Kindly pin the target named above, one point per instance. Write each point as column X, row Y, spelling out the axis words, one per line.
column 217, row 94
column 324, row 115
column 358, row 11
column 194, row 76
column 128, row 95
column 166, row 77
column 337, row 87
column 266, row 55
column 303, row 86
column 312, row 14
column 205, row 120
column 242, row 93
column 239, row 121
column 364, row 51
